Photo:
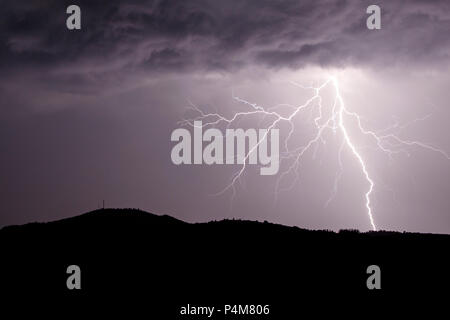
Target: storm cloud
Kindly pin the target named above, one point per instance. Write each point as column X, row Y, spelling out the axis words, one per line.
column 120, row 37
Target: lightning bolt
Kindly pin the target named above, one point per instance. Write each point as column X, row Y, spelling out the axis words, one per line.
column 386, row 140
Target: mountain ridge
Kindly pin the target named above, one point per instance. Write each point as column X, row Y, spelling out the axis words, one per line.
column 132, row 214
column 126, row 251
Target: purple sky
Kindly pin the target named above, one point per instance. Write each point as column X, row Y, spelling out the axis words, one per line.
column 87, row 115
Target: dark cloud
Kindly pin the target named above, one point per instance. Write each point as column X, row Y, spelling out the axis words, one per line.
column 123, row 42
column 173, row 35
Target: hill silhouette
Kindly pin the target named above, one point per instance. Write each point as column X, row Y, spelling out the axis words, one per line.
column 139, row 255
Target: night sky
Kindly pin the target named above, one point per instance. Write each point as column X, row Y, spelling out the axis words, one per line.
column 87, row 115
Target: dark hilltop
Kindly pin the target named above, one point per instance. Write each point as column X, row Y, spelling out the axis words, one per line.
column 132, row 253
